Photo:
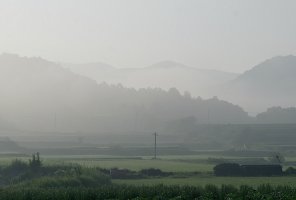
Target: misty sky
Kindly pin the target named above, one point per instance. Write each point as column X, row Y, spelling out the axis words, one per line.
column 231, row 35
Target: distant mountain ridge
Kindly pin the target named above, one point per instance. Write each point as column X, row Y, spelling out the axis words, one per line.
column 271, row 75
column 43, row 96
column 168, row 64
column 270, row 83
column 35, row 92
column 164, row 74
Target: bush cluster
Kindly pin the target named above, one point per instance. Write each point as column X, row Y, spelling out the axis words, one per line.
column 23, row 173
column 116, row 173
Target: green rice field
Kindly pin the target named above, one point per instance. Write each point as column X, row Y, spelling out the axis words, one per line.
column 191, row 170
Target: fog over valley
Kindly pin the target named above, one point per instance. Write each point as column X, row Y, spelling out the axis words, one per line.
column 97, row 99
column 268, row 84
column 42, row 95
column 147, row 99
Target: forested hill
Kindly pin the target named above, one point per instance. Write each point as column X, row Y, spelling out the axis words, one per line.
column 268, row 84
column 40, row 95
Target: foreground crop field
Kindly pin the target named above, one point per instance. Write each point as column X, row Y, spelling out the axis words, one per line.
column 157, row 192
column 218, row 181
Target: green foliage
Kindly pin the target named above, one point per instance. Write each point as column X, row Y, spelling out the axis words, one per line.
column 16, row 166
column 290, row 171
column 66, row 181
column 34, row 174
column 277, row 158
column 15, row 171
column 154, row 172
column 157, row 192
column 35, row 162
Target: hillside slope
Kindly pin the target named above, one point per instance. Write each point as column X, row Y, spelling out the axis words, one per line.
column 41, row 95
column 271, row 83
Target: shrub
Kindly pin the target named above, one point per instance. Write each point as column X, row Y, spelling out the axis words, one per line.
column 153, row 172
column 16, row 166
column 290, row 171
column 35, row 162
column 14, row 171
column 67, row 181
column 123, row 173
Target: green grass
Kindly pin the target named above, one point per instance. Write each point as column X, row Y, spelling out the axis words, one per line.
column 4, row 161
column 190, row 163
column 136, row 165
column 170, row 163
column 218, row 181
column 173, row 164
column 87, row 183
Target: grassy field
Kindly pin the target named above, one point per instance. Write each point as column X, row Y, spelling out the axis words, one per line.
column 166, row 163
column 52, row 180
column 176, row 164
column 138, row 164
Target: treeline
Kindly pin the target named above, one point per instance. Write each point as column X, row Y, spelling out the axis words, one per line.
column 277, row 115
column 31, row 173
column 41, row 95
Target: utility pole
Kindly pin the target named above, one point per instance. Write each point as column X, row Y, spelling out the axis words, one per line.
column 155, row 134
column 55, row 121
column 208, row 116
column 208, row 121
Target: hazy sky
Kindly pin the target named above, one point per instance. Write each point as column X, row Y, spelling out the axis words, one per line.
column 230, row 35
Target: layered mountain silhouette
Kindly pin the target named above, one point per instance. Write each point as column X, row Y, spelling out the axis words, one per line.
column 270, row 83
column 40, row 95
column 33, row 90
column 165, row 75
